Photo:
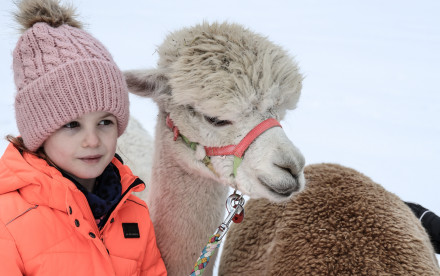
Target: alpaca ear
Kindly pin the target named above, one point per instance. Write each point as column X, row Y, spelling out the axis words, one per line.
column 147, row 83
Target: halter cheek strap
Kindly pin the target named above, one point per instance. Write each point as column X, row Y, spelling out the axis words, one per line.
column 239, row 149
column 174, row 128
column 236, row 150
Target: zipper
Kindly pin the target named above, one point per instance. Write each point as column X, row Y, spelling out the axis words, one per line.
column 29, row 209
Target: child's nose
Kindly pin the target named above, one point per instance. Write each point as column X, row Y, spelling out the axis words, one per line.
column 91, row 139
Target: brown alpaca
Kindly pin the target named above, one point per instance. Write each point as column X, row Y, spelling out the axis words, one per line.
column 341, row 224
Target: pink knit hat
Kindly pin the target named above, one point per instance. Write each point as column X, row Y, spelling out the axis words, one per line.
column 61, row 73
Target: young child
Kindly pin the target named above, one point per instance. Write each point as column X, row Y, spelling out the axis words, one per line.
column 66, row 203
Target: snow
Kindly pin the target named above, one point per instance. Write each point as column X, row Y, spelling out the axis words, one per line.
column 371, row 99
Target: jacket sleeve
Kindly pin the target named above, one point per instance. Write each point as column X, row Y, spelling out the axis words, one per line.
column 153, row 263
column 10, row 260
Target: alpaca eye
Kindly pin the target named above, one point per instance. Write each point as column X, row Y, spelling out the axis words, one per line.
column 191, row 110
column 216, row 122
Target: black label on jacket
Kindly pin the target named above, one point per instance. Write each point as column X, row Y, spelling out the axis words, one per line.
column 131, row 230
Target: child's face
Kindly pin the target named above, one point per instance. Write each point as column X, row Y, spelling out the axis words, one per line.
column 84, row 147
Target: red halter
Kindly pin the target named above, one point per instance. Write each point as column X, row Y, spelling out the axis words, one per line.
column 236, row 150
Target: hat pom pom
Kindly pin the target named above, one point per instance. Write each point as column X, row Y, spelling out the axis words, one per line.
column 47, row 11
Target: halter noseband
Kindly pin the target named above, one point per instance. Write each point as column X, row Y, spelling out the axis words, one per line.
column 236, row 150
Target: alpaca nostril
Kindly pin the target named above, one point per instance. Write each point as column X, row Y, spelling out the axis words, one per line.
column 284, row 184
column 288, row 170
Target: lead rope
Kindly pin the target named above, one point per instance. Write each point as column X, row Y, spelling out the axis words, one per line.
column 234, row 205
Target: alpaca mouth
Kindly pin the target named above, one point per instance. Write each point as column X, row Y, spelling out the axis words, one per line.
column 284, row 191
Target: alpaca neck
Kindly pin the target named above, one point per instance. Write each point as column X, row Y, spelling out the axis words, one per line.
column 186, row 208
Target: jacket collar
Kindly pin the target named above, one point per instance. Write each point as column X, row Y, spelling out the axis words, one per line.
column 41, row 184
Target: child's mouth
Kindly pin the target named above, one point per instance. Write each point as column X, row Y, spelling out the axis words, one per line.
column 91, row 159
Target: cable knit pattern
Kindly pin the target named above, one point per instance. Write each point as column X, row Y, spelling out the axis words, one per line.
column 60, row 74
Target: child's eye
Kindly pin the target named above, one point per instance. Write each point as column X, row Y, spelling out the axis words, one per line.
column 72, row 124
column 106, row 122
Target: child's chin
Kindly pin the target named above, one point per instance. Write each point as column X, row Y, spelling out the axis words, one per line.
column 89, row 175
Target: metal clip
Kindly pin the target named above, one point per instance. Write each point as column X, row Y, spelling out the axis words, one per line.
column 234, row 205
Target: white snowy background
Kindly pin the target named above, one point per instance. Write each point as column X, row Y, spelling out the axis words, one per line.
column 371, row 94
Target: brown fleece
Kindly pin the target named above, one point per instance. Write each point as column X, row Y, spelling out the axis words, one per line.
column 342, row 224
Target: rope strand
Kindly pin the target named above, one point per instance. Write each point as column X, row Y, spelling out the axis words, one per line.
column 203, row 260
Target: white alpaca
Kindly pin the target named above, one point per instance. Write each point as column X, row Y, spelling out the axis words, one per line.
column 135, row 147
column 216, row 82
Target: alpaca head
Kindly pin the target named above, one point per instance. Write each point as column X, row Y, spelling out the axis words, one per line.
column 217, row 82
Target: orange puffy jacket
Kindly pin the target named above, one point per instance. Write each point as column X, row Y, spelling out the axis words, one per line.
column 47, row 227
